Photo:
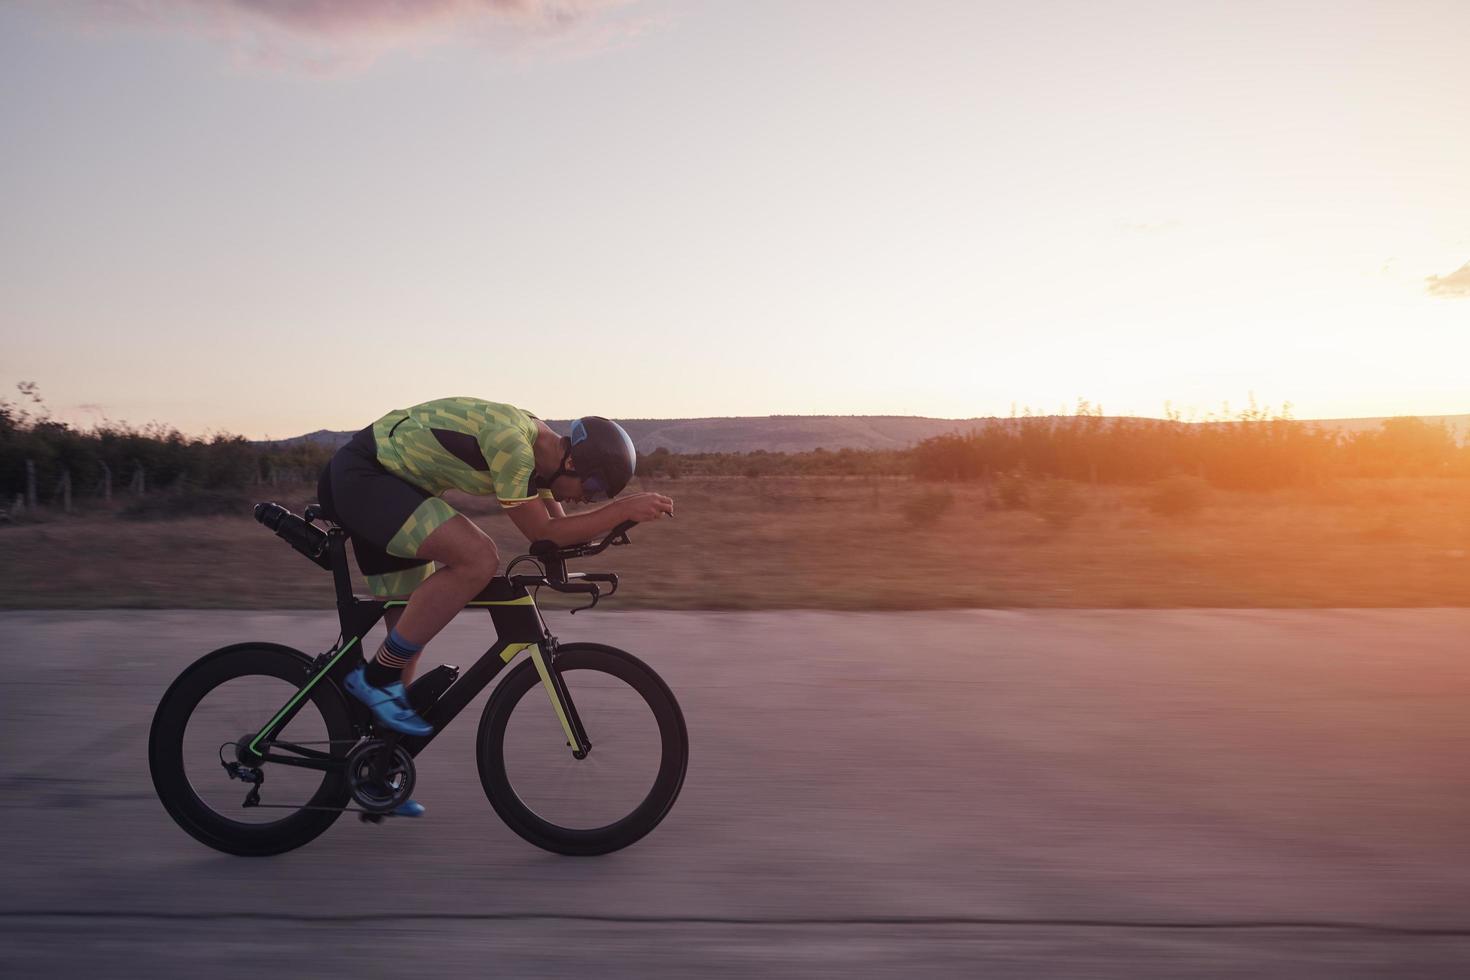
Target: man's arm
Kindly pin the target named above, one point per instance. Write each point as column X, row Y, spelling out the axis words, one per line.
column 537, row 523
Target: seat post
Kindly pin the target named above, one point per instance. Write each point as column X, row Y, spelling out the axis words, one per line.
column 341, row 578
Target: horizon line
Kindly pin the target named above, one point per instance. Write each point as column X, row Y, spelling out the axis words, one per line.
column 940, row 418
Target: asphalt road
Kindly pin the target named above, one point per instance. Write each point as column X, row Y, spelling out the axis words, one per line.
column 1049, row 793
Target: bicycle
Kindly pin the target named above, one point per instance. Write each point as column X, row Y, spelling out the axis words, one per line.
column 250, row 709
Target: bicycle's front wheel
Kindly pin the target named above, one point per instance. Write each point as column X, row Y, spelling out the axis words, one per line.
column 624, row 786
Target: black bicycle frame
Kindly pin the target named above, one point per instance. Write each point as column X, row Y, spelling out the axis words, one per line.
column 518, row 626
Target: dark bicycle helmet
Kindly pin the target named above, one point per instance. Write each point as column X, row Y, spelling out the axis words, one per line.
column 603, row 454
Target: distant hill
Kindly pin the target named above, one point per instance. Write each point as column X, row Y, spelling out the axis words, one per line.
column 322, row 437
column 773, row 433
column 786, row 433
column 802, row 433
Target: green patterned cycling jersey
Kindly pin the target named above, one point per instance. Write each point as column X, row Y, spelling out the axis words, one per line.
column 465, row 444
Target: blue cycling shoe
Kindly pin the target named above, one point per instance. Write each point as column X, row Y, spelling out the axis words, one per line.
column 389, row 704
column 409, row 808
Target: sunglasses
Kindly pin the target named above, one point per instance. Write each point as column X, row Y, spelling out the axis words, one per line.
column 593, row 487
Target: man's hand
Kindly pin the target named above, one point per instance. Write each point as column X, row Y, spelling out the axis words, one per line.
column 645, row 506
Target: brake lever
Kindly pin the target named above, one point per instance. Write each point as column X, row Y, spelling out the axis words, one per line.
column 619, row 534
column 596, row 594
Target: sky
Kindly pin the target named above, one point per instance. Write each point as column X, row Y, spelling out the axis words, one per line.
column 268, row 217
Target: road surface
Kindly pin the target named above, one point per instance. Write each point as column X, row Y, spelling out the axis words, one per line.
column 936, row 794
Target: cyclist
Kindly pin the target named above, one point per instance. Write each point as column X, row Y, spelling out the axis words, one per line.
column 385, row 488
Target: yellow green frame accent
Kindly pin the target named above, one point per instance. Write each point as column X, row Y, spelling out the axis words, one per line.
column 300, row 694
column 538, row 657
column 522, row 601
column 511, row 649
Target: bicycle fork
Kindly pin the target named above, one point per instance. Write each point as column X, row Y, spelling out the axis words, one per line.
column 543, row 655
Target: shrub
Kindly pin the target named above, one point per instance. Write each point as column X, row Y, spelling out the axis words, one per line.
column 927, row 508
column 1059, row 503
column 1178, row 496
column 1013, row 492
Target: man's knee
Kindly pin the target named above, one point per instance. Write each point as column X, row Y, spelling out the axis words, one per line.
column 459, row 545
column 476, row 555
column 482, row 561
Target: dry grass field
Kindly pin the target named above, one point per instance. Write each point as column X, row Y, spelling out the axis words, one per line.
column 851, row 543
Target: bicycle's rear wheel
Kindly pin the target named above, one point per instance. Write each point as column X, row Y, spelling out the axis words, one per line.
column 222, row 699
column 626, row 784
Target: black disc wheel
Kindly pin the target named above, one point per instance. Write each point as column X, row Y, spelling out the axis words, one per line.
column 621, row 789
column 207, row 720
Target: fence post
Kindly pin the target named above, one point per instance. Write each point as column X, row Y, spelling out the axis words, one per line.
column 138, row 480
column 30, row 485
column 65, row 487
column 106, row 483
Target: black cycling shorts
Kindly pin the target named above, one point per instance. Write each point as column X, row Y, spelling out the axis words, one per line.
column 386, row 516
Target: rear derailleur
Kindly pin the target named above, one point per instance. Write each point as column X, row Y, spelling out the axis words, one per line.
column 247, row 774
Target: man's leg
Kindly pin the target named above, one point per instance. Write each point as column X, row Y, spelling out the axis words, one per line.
column 467, row 560
column 390, row 620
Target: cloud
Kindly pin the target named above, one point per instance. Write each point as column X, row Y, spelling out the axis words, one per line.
column 327, row 36
column 1456, row 285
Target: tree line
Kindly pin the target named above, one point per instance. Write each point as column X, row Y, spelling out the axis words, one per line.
column 44, row 459
column 1254, row 450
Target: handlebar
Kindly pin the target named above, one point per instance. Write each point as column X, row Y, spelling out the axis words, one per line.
column 545, row 549
column 553, row 558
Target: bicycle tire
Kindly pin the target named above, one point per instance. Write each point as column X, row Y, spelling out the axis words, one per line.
column 170, row 772
column 664, row 790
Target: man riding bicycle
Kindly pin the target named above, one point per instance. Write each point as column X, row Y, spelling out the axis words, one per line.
column 384, row 487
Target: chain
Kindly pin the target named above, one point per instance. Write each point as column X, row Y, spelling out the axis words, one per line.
column 255, row 787
column 326, row 809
